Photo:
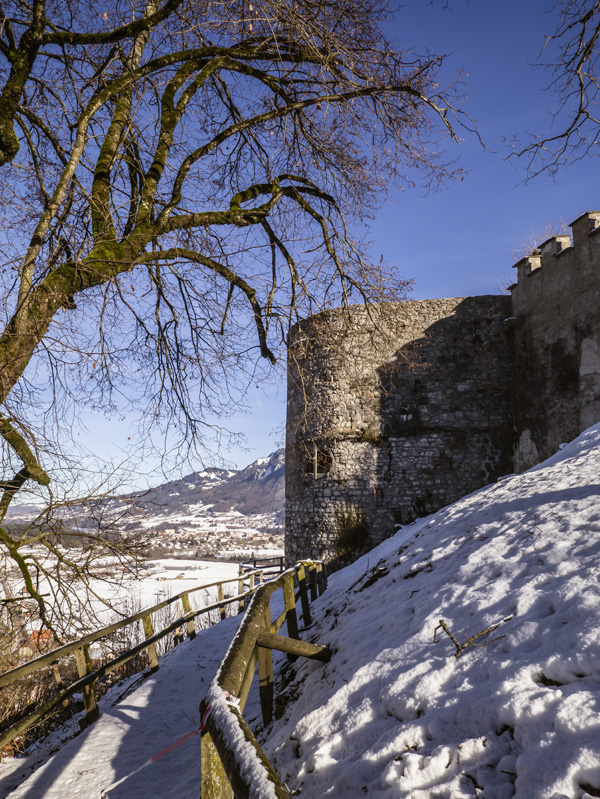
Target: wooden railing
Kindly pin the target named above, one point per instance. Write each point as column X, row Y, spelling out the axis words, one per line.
column 271, row 566
column 80, row 649
column 233, row 763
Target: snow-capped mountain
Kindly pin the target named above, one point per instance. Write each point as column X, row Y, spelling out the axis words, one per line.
column 257, row 489
column 211, row 512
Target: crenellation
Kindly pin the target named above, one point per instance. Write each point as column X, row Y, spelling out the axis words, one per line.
column 568, row 249
column 583, row 226
column 553, row 247
column 556, row 379
column 527, row 265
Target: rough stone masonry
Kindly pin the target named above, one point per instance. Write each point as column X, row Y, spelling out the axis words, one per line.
column 399, row 409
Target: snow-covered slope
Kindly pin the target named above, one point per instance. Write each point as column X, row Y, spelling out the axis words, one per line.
column 396, row 715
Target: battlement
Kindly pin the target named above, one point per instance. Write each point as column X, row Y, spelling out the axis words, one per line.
column 556, row 340
column 565, row 249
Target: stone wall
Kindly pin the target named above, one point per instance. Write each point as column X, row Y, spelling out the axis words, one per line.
column 556, row 328
column 408, row 406
column 403, row 408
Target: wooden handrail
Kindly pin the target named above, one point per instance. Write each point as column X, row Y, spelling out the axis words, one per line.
column 233, row 763
column 67, row 649
column 80, row 648
column 90, row 678
column 252, row 645
column 263, row 563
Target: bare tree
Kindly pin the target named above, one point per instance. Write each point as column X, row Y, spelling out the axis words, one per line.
column 177, row 180
column 572, row 55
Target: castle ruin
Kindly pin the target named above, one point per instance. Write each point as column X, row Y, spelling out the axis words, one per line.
column 398, row 409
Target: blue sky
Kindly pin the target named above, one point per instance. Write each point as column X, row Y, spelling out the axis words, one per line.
column 461, row 240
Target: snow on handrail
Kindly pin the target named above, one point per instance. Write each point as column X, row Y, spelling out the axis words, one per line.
column 230, row 753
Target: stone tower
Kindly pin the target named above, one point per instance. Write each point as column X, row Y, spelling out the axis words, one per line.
column 397, row 410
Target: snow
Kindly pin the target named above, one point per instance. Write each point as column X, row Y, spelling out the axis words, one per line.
column 158, row 579
column 167, row 578
column 394, row 714
column 138, row 719
column 252, row 769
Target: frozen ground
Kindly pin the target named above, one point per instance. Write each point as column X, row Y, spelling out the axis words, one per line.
column 162, row 579
column 394, row 714
column 139, row 719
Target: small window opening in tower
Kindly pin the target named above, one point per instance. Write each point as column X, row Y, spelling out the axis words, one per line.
column 317, row 460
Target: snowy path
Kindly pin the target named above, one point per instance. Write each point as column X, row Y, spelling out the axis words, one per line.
column 151, row 715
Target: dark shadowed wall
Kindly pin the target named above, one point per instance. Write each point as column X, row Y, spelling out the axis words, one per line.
column 400, row 409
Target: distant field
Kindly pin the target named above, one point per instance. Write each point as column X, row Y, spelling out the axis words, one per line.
column 164, row 578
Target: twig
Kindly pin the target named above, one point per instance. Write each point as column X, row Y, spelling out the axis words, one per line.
column 469, row 639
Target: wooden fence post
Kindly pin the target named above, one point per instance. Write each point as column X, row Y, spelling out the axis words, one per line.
column 148, row 631
column 312, row 574
column 213, row 780
column 241, row 591
column 58, row 680
column 222, row 610
column 191, row 626
column 321, row 577
column 291, row 615
column 265, row 674
column 306, row 618
column 290, row 607
column 178, row 634
column 84, row 666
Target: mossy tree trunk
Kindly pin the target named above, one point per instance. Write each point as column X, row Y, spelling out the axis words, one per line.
column 177, row 185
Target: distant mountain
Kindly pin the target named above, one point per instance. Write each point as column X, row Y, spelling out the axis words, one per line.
column 209, row 511
column 257, row 489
